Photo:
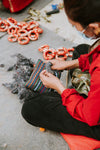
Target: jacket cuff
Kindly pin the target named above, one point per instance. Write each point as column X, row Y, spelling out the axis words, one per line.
column 84, row 62
column 68, row 92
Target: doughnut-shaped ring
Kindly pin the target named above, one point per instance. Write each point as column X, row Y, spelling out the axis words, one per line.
column 61, row 57
column 68, row 51
column 12, row 21
column 33, row 35
column 43, row 48
column 23, row 40
column 12, row 38
column 3, row 26
column 39, row 30
column 49, row 54
column 32, row 24
column 7, row 24
column 23, row 25
column 12, row 30
column 22, row 32
column 61, row 51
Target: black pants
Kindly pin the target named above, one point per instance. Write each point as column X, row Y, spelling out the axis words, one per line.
column 46, row 110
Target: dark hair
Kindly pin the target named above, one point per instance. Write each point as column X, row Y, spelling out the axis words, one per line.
column 83, row 11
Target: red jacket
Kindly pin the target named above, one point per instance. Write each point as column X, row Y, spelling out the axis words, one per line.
column 86, row 110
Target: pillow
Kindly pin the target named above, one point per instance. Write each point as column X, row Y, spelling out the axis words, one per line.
column 34, row 83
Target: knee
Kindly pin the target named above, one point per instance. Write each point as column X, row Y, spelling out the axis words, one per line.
column 24, row 111
column 30, row 112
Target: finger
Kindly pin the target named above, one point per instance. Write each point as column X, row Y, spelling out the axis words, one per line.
column 46, row 73
column 42, row 72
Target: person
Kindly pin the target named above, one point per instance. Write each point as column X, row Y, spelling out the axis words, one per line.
column 66, row 110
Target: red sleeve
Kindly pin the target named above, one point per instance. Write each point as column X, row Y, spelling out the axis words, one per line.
column 86, row 110
column 83, row 62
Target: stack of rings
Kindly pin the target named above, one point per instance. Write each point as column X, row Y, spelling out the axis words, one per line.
column 20, row 31
column 59, row 54
column 47, row 52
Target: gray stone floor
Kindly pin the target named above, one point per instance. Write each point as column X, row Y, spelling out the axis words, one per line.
column 14, row 131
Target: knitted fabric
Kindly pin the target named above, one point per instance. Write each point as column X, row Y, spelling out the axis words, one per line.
column 34, row 83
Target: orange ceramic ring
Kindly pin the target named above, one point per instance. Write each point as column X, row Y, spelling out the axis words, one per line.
column 23, row 25
column 3, row 26
column 23, row 40
column 12, row 30
column 39, row 30
column 43, row 48
column 68, row 52
column 12, row 21
column 70, row 49
column 49, row 54
column 33, row 35
column 33, row 24
column 22, row 32
column 12, row 38
column 61, row 51
column 6, row 22
column 61, row 57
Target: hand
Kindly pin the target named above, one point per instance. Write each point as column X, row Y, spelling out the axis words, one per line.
column 50, row 81
column 63, row 65
column 57, row 64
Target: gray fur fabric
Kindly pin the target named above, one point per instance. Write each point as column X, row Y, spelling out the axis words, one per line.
column 22, row 72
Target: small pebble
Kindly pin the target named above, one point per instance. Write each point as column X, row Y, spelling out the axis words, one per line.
column 2, row 65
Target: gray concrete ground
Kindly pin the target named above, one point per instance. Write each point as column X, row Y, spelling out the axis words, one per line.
column 15, row 133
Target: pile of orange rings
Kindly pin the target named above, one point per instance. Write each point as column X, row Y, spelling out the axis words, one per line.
column 22, row 32
column 59, row 54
